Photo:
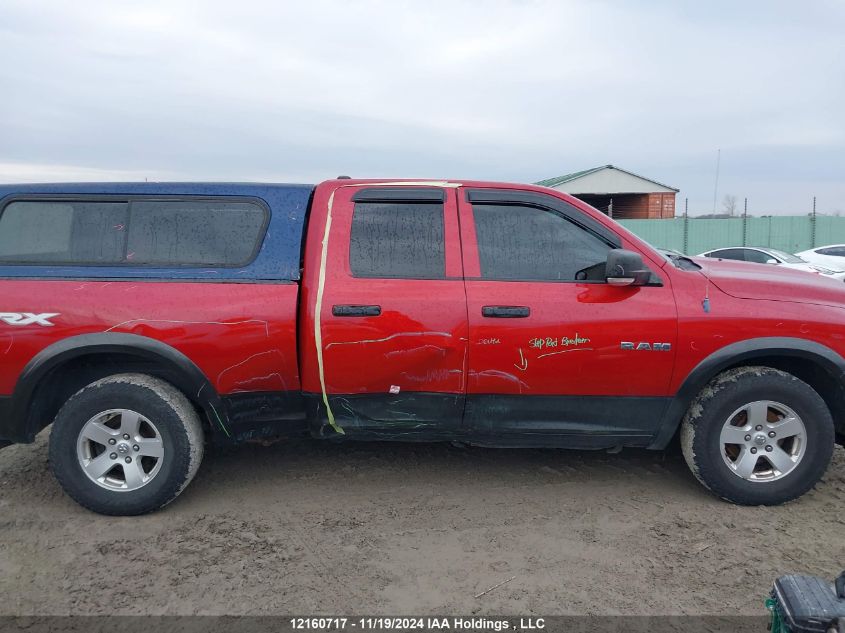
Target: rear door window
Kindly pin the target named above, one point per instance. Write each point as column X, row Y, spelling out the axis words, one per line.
column 398, row 240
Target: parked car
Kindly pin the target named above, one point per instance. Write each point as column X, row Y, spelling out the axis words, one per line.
column 773, row 256
column 832, row 256
column 143, row 320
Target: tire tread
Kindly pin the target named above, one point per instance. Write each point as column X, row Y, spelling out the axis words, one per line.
column 111, row 503
column 701, row 417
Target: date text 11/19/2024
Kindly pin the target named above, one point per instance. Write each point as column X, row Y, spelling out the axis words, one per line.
column 416, row 624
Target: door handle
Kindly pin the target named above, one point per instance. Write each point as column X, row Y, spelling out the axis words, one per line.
column 506, row 312
column 355, row 311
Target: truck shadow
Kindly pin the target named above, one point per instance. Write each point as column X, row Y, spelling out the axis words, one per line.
column 290, row 477
column 298, row 452
column 439, row 468
column 289, row 471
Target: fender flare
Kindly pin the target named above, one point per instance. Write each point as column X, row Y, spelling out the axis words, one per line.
column 747, row 350
column 181, row 371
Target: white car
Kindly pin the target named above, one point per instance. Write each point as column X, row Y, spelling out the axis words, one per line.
column 773, row 256
column 832, row 256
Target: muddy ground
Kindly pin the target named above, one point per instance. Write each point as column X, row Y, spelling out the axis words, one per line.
column 310, row 527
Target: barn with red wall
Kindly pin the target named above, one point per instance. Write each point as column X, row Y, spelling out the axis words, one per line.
column 617, row 192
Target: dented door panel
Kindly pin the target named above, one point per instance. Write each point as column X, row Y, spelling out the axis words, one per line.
column 393, row 349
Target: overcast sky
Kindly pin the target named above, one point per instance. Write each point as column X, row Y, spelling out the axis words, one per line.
column 498, row 90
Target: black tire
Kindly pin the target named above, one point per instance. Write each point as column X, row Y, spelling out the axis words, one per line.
column 176, row 422
column 725, row 394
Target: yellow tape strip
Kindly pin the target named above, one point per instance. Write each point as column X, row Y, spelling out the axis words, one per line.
column 318, row 333
column 321, row 281
column 408, row 183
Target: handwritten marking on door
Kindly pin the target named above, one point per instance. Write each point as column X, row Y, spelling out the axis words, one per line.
column 523, row 362
column 563, row 341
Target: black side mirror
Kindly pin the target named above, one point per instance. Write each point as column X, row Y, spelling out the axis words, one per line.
column 626, row 268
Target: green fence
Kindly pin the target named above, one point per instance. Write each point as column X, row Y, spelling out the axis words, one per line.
column 696, row 235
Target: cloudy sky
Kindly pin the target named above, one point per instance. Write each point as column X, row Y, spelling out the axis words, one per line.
column 514, row 90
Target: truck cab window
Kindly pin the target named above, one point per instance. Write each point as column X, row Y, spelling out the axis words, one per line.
column 397, row 240
column 530, row 244
column 166, row 233
column 76, row 232
column 187, row 233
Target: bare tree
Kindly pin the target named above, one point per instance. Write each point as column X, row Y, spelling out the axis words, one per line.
column 729, row 204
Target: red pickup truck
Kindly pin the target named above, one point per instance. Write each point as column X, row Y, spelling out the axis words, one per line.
column 143, row 320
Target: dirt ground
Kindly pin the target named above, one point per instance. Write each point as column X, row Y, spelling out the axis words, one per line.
column 311, row 527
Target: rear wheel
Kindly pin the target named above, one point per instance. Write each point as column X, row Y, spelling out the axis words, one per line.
column 758, row 436
column 125, row 445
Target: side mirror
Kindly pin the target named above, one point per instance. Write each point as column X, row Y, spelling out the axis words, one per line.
column 771, row 261
column 625, row 268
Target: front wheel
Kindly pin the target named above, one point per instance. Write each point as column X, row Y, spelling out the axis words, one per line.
column 758, row 436
column 127, row 444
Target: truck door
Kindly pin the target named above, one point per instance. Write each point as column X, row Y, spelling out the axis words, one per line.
column 393, row 318
column 556, row 355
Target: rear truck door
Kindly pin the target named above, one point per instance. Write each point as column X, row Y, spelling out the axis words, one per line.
column 556, row 355
column 393, row 320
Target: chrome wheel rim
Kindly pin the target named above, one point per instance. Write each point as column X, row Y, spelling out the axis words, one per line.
column 763, row 441
column 120, row 450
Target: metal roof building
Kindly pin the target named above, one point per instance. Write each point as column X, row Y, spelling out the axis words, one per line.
column 617, row 192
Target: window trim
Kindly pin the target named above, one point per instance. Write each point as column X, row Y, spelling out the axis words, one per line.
column 517, row 197
column 419, row 195
column 426, row 201
column 128, row 199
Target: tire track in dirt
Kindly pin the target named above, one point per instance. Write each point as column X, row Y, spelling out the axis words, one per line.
column 314, row 527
